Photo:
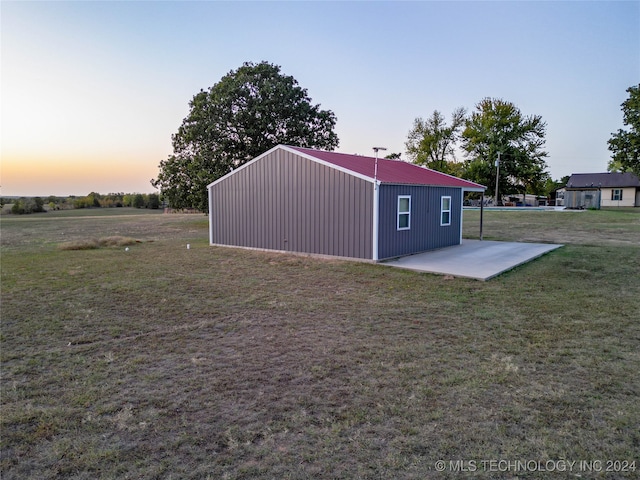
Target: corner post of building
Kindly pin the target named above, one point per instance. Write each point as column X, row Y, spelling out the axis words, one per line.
column 481, row 212
column 210, row 215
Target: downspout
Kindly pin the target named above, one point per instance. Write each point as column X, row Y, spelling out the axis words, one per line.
column 376, row 192
column 376, row 210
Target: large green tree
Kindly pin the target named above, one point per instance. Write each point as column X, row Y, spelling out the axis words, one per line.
column 497, row 126
column 625, row 145
column 249, row 111
column 431, row 142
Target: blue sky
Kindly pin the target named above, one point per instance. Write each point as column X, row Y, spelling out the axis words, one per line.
column 93, row 91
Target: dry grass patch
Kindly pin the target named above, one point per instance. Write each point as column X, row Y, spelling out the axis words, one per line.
column 103, row 242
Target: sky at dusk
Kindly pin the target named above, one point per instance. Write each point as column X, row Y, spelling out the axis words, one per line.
column 91, row 92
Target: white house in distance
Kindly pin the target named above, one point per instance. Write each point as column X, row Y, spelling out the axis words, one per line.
column 597, row 190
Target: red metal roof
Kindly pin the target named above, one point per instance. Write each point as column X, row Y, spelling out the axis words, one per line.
column 390, row 171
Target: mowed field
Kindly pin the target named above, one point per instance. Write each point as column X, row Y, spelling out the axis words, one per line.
column 166, row 362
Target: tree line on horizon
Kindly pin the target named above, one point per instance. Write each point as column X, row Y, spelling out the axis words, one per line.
column 25, row 205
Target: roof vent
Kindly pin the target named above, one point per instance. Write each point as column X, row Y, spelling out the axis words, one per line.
column 375, row 171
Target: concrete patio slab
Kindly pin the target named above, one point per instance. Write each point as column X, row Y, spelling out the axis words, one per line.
column 477, row 259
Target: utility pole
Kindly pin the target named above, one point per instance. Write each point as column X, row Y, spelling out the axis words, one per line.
column 497, row 179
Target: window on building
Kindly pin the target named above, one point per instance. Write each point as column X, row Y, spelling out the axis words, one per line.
column 404, row 212
column 616, row 194
column 445, row 211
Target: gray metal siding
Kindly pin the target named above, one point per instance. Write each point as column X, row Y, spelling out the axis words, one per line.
column 425, row 232
column 286, row 202
column 582, row 199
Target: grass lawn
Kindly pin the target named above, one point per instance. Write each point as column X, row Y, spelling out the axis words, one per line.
column 168, row 362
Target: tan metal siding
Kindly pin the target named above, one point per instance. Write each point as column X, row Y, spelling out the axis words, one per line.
column 628, row 197
column 286, row 202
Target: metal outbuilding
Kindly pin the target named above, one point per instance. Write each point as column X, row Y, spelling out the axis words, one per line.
column 294, row 199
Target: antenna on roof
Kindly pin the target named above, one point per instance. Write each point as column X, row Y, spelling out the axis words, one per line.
column 375, row 171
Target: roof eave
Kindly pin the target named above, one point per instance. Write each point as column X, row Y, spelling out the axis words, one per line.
column 479, row 188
